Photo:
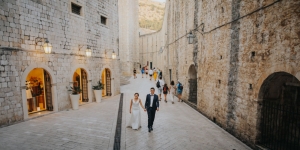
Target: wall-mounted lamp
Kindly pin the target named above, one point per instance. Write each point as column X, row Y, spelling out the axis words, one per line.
column 47, row 46
column 88, row 51
column 113, row 55
column 191, row 37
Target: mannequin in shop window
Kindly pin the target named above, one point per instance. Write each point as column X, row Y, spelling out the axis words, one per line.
column 29, row 95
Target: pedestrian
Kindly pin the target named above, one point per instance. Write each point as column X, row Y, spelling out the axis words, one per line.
column 165, row 91
column 172, row 91
column 160, row 73
column 146, row 70
column 134, row 73
column 151, row 105
column 143, row 71
column 135, row 118
column 159, row 84
column 154, row 74
column 150, row 74
column 179, row 88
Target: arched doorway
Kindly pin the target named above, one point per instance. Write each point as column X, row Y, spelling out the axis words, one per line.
column 106, row 80
column 38, row 91
column 280, row 112
column 193, row 84
column 80, row 78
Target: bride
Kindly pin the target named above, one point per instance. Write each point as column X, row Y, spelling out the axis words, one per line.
column 135, row 119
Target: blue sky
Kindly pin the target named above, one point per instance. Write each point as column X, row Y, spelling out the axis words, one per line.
column 160, row 0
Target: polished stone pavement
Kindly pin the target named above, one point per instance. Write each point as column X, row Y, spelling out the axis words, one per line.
column 176, row 126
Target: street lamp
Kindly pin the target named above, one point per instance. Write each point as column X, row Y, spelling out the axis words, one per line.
column 113, row 55
column 191, row 37
column 88, row 51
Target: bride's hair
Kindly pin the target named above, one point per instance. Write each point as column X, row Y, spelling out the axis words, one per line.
column 137, row 94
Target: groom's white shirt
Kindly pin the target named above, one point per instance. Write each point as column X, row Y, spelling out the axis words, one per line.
column 151, row 99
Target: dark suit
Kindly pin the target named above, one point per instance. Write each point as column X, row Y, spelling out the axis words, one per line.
column 151, row 110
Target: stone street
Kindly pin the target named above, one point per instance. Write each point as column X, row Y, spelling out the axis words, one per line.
column 176, row 126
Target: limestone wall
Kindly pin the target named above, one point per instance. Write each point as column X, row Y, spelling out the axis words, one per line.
column 129, row 35
column 24, row 26
column 223, row 54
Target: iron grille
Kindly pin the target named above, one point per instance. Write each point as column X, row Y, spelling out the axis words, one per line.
column 280, row 126
column 76, row 9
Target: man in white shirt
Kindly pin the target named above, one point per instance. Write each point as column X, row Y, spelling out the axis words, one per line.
column 150, row 74
column 151, row 105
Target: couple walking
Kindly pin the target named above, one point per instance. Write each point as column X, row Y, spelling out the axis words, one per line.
column 151, row 106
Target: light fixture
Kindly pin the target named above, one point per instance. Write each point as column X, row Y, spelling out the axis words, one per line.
column 47, row 46
column 161, row 49
column 113, row 55
column 191, row 37
column 88, row 51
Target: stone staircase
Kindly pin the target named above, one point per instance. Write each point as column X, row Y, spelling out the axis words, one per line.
column 124, row 80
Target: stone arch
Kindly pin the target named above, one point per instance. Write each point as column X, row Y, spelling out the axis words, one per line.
column 192, row 72
column 279, row 101
column 276, row 68
column 23, row 87
column 75, row 67
column 89, row 79
column 113, row 75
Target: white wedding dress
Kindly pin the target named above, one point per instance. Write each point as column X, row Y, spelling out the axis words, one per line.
column 135, row 117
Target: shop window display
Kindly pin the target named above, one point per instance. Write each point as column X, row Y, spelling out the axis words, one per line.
column 35, row 91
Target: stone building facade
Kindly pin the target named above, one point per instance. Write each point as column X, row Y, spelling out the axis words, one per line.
column 71, row 26
column 129, row 35
column 245, row 54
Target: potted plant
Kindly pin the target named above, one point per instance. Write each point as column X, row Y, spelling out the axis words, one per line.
column 98, row 91
column 75, row 96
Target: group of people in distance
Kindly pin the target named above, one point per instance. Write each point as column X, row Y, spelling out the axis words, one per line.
column 152, row 100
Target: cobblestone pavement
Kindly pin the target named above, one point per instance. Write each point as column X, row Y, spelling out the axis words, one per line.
column 92, row 126
column 176, row 126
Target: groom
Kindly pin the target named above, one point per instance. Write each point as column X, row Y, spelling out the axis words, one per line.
column 151, row 105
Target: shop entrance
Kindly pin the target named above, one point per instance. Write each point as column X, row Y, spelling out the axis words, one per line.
column 38, row 91
column 80, row 79
column 280, row 112
column 106, row 80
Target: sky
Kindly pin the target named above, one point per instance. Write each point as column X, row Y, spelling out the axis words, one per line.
column 160, row 0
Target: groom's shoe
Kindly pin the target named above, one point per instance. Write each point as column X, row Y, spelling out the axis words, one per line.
column 149, row 130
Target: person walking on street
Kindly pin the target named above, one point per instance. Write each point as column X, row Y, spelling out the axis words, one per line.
column 159, row 84
column 179, row 88
column 143, row 71
column 134, row 110
column 172, row 91
column 146, row 70
column 160, row 73
column 151, row 106
column 150, row 74
column 134, row 73
column 154, row 74
column 165, row 91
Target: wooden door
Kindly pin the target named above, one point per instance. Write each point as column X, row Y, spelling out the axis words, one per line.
column 108, row 82
column 48, row 91
column 84, row 86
